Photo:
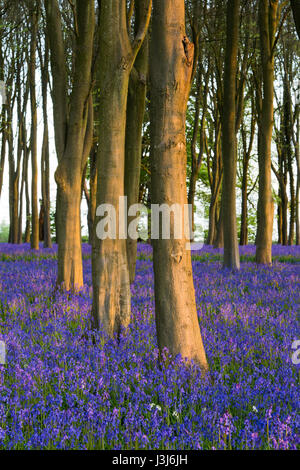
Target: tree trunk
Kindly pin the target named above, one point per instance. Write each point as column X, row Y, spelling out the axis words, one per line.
column 219, row 234
column 170, row 76
column 265, row 208
column 73, row 125
column 92, row 194
column 244, row 213
column 134, row 124
column 27, row 199
column 45, row 158
column 3, row 148
column 14, row 173
column 111, row 284
column 246, row 159
column 297, row 152
column 215, row 180
column 229, row 151
column 197, row 158
column 288, row 138
column 33, row 138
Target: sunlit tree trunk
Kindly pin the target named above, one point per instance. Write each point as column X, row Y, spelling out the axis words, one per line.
column 171, row 61
column 111, row 285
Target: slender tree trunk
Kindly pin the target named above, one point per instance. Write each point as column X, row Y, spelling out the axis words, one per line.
column 33, row 139
column 2, row 117
column 111, row 284
column 297, row 152
column 215, row 180
column 27, row 199
column 45, row 158
column 197, row 158
column 92, row 197
column 279, row 221
column 3, row 148
column 134, row 124
column 246, row 158
column 170, row 75
column 73, row 125
column 24, row 176
column 265, row 208
column 14, row 175
column 229, row 152
column 244, row 213
column 219, row 236
column 288, row 138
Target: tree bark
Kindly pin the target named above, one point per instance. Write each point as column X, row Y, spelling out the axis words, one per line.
column 133, row 142
column 297, row 152
column 45, row 158
column 170, row 77
column 73, row 125
column 246, row 159
column 33, row 138
column 111, row 284
column 229, row 151
column 265, row 209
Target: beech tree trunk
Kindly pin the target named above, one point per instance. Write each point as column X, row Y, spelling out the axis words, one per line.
column 73, row 124
column 288, row 140
column 219, row 234
column 229, row 151
column 265, row 209
column 170, row 77
column 202, row 92
column 111, row 284
column 297, row 151
column 215, row 177
column 134, row 124
column 45, row 158
column 33, row 138
column 27, row 198
column 246, row 158
column 3, row 121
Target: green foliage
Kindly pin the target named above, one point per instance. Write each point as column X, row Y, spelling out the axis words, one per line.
column 4, row 232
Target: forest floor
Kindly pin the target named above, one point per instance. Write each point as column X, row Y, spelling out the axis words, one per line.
column 60, row 391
